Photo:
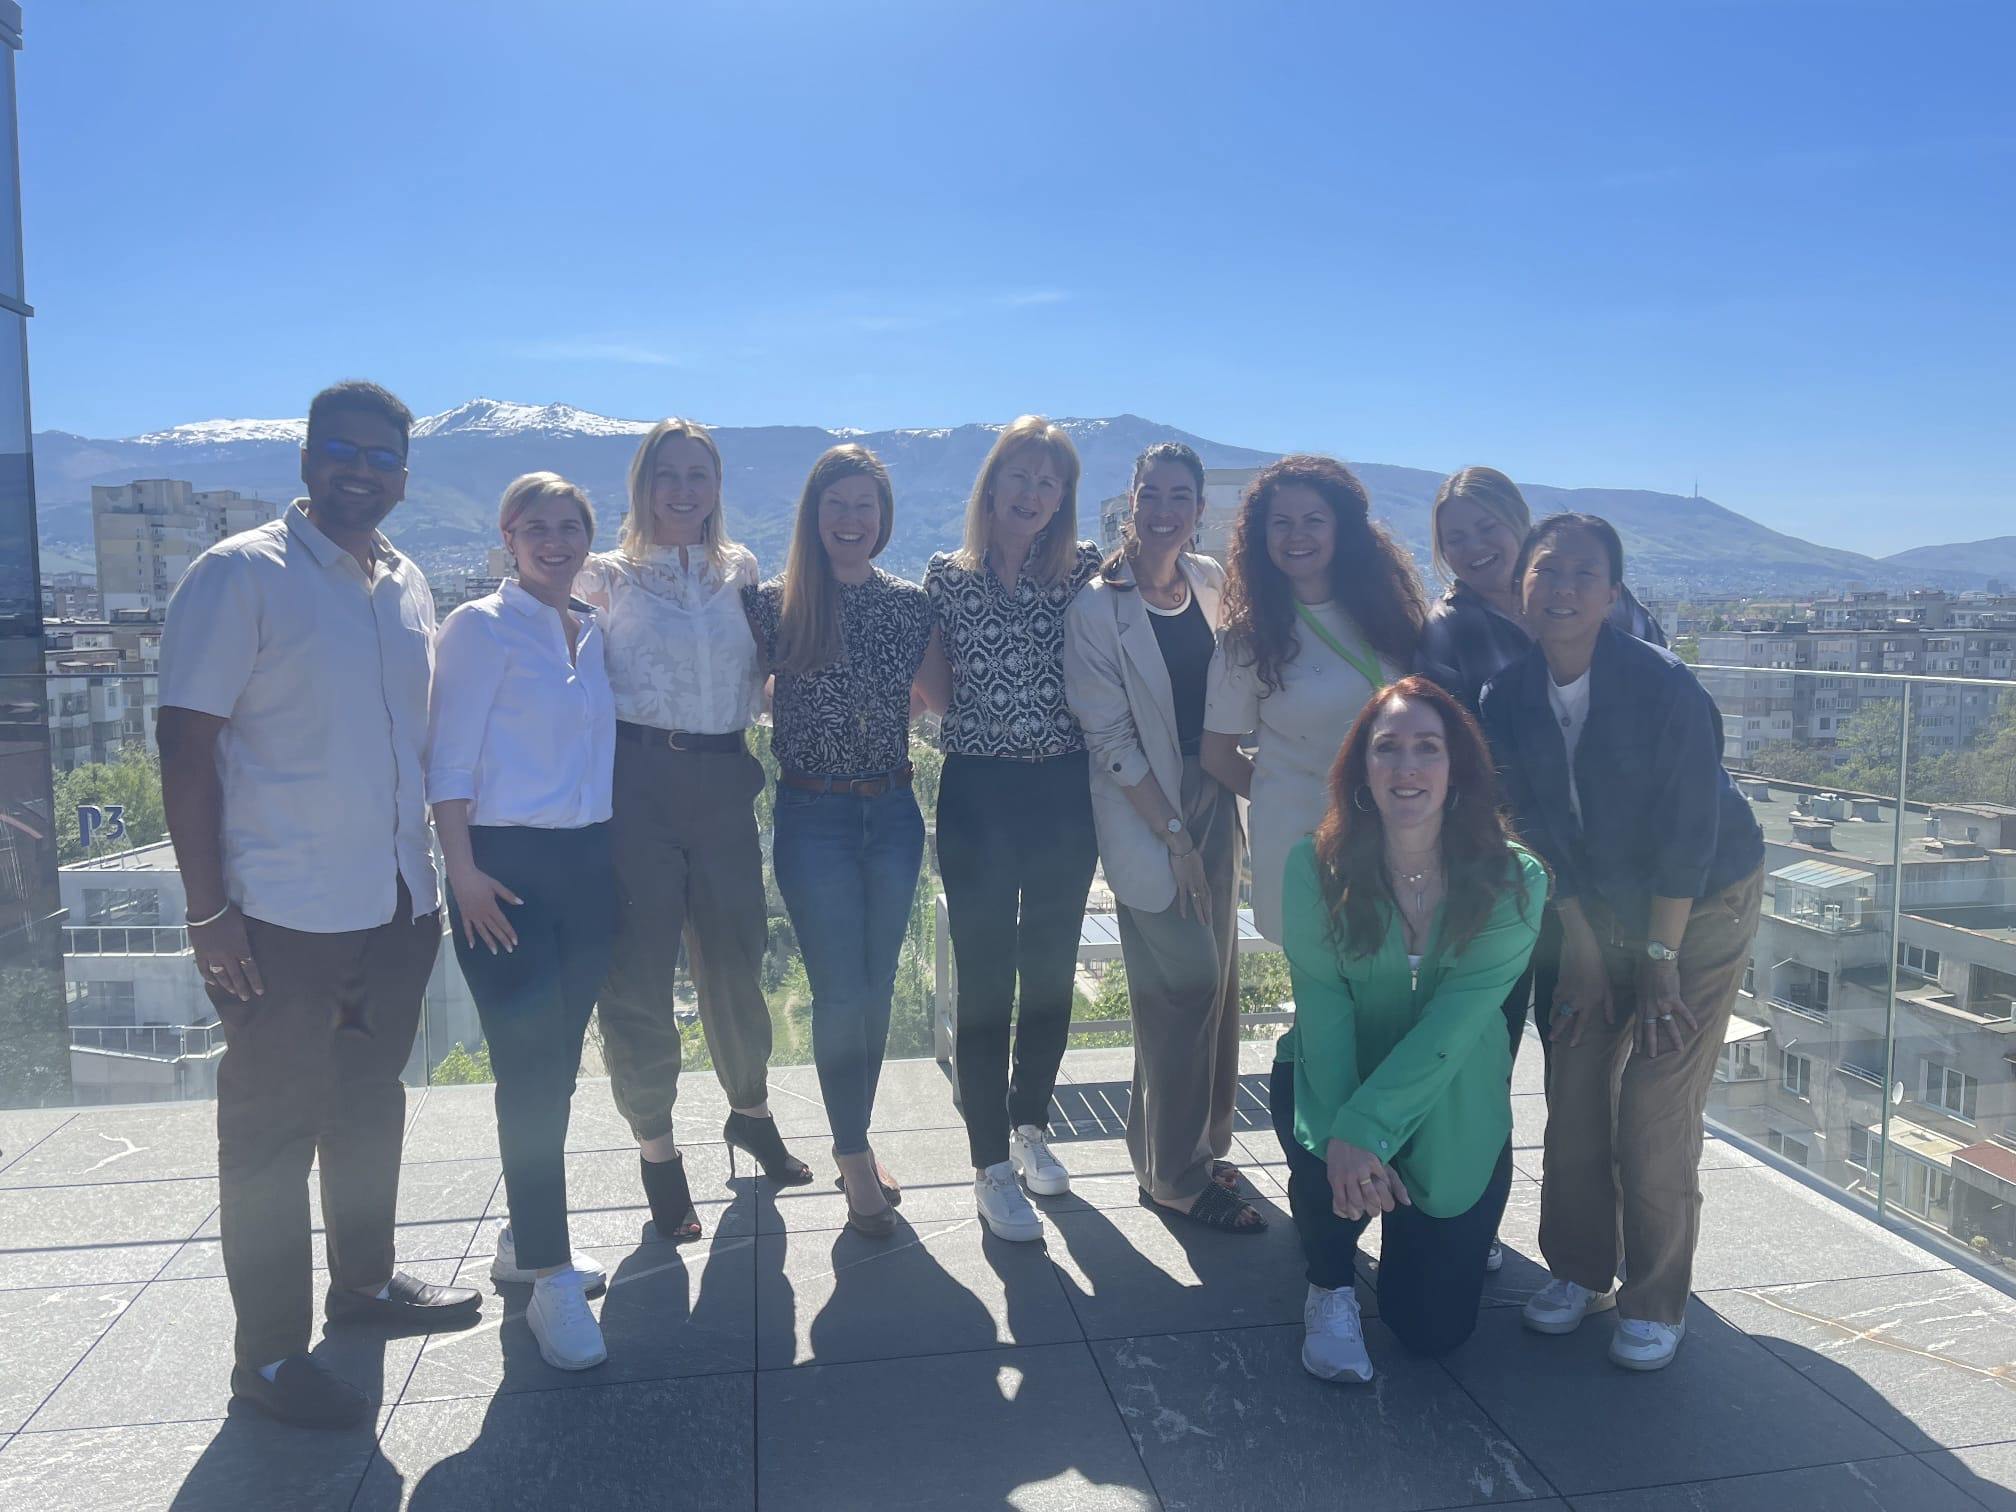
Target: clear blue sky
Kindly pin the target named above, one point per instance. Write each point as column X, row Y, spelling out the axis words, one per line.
column 1766, row 244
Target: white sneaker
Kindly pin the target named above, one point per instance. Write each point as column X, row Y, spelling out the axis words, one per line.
column 1560, row 1306
column 1042, row 1172
column 1494, row 1257
column 505, row 1268
column 1333, row 1336
column 1640, row 1344
column 569, row 1337
column 1003, row 1207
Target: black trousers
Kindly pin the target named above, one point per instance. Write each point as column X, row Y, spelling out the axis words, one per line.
column 534, row 1003
column 298, row 1084
column 1431, row 1270
column 1016, row 851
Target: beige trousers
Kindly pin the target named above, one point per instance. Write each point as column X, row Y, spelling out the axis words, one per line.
column 1624, row 1129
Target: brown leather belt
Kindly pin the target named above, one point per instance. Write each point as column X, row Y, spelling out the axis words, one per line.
column 853, row 787
column 679, row 740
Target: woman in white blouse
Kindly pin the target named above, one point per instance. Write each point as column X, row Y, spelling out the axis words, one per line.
column 687, row 681
column 1322, row 609
column 521, row 737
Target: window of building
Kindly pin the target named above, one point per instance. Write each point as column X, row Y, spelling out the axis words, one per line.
column 1919, row 959
column 1919, row 1188
column 1991, row 993
column 1951, row 1091
column 1797, row 1075
column 1795, row 1150
column 122, row 905
column 1865, row 1147
column 101, row 1002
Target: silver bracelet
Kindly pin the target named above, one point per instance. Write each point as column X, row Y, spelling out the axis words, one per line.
column 199, row 923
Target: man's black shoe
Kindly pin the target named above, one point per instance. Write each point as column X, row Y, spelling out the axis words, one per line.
column 303, row 1393
column 409, row 1306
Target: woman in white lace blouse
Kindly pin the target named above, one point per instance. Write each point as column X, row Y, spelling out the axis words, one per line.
column 687, row 681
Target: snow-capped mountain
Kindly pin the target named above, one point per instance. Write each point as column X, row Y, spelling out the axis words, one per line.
column 463, row 457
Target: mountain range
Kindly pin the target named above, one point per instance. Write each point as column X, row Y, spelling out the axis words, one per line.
column 462, row 459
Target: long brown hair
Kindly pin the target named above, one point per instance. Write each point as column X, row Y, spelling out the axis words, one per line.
column 1477, row 845
column 1371, row 574
column 808, row 619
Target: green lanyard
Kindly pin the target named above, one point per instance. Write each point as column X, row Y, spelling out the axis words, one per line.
column 1364, row 666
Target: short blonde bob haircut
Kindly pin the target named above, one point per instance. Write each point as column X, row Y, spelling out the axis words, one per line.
column 536, row 488
column 634, row 537
column 1057, row 547
column 1491, row 491
column 808, row 619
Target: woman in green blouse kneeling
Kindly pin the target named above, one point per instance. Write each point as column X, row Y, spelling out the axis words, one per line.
column 1406, row 919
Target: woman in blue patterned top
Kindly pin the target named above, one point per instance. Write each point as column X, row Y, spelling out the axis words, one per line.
column 1015, row 841
column 845, row 641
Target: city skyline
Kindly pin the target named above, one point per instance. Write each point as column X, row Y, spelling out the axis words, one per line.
column 1600, row 249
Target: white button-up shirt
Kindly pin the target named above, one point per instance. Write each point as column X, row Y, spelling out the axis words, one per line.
column 323, row 675
column 678, row 646
column 519, row 728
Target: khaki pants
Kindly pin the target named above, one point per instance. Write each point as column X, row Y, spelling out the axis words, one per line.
column 1624, row 1130
column 687, row 864
column 1183, row 993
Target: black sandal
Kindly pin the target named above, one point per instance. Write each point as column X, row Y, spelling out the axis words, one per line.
column 1215, row 1208
column 673, row 1215
column 759, row 1137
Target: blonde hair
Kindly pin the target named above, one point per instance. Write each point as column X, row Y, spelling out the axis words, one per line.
column 1491, row 491
column 1057, row 547
column 634, row 536
column 536, row 488
column 808, row 619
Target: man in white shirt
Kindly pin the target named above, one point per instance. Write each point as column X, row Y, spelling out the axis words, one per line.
column 294, row 675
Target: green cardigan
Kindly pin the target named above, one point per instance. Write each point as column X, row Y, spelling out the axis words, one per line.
column 1420, row 1073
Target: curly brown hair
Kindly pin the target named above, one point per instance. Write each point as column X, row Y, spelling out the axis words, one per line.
column 1371, row 573
column 1477, row 843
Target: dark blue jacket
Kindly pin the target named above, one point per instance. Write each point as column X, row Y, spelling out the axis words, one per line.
column 1660, row 817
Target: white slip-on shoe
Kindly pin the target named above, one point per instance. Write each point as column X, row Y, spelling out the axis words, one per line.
column 505, row 1269
column 1333, row 1336
column 1560, row 1306
column 1640, row 1344
column 569, row 1337
column 1042, row 1172
column 1494, row 1257
column 1003, row 1207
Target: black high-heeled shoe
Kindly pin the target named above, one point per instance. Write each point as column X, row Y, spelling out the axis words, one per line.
column 759, row 1137
column 879, row 1224
column 672, row 1212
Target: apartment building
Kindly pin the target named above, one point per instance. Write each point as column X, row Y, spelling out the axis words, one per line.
column 70, row 596
column 101, row 687
column 141, row 1027
column 1763, row 703
column 1809, row 1065
column 150, row 530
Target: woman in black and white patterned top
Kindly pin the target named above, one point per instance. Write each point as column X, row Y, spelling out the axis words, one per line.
column 846, row 643
column 1015, row 841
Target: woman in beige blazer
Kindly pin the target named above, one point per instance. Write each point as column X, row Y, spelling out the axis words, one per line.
column 1137, row 650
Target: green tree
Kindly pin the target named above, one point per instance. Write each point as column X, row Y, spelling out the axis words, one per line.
column 133, row 783
column 460, row 1068
column 1789, row 761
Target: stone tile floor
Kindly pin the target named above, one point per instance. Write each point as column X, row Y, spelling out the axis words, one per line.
column 785, row 1363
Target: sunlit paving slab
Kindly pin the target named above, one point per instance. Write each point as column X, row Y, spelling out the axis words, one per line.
column 1130, row 1360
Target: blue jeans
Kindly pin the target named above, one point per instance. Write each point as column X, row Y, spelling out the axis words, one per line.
column 847, row 868
column 534, row 1003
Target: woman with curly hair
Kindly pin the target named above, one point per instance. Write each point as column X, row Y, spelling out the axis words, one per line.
column 1405, row 920
column 1322, row 606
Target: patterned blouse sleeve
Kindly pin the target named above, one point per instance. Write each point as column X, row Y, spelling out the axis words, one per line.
column 759, row 602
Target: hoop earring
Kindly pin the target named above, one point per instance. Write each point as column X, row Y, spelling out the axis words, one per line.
column 1361, row 798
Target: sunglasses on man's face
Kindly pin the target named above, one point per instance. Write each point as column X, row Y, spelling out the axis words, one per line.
column 377, row 458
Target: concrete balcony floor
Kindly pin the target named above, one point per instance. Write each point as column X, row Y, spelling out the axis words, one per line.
column 787, row 1364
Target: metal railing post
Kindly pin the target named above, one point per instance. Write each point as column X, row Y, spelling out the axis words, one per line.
column 1896, row 945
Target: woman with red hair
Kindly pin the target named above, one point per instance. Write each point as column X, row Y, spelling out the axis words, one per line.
column 1406, row 918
